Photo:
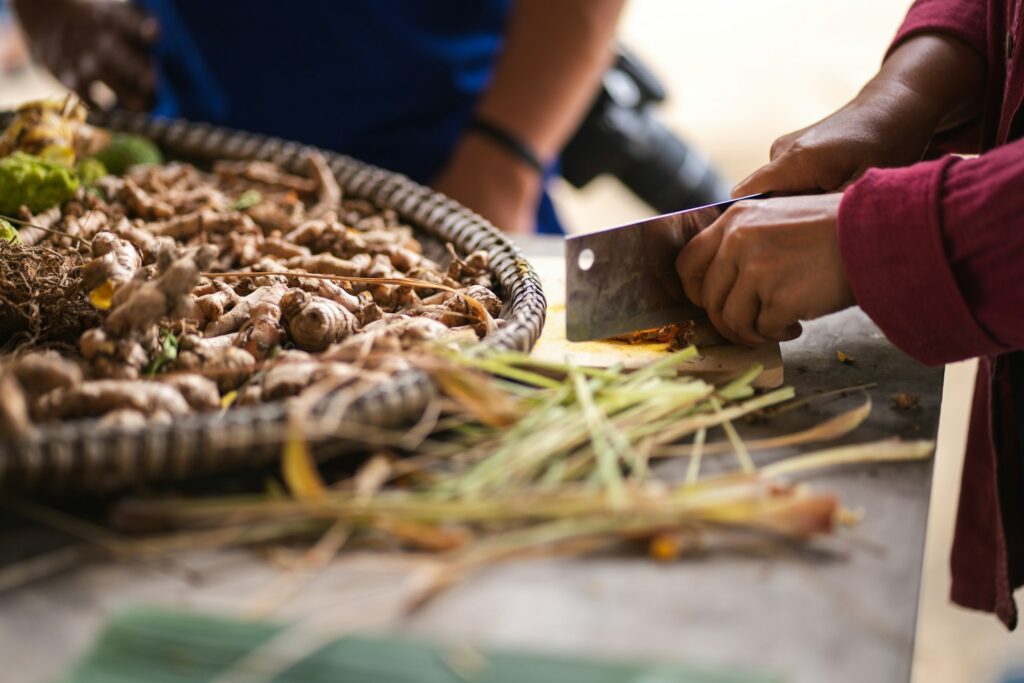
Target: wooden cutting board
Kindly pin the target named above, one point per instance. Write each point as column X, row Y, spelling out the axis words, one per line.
column 715, row 363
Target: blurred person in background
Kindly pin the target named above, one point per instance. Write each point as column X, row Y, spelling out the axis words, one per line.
column 13, row 55
column 475, row 98
column 932, row 250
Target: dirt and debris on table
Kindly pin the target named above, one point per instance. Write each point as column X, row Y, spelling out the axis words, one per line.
column 905, row 401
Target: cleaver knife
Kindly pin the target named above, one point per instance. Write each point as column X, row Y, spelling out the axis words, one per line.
column 623, row 279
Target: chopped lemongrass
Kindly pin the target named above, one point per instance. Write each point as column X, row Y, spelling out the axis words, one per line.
column 523, row 457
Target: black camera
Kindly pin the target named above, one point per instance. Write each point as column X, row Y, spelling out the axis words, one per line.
column 622, row 136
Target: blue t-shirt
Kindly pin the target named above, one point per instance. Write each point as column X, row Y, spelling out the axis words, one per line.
column 390, row 82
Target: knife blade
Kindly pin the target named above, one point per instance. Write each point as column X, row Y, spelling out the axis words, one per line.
column 623, row 279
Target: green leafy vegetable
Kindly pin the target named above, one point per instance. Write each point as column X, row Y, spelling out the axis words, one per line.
column 90, row 170
column 8, row 233
column 34, row 182
column 125, row 151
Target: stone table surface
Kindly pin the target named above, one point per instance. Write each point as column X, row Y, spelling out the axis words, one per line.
column 843, row 610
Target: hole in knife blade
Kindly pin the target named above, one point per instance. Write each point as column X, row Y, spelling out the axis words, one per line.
column 585, row 260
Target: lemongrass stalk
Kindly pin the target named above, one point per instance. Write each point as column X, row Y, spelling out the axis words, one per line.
column 508, row 371
column 889, row 450
column 746, row 464
column 693, row 469
column 496, row 464
column 824, row 397
column 520, row 506
column 667, row 431
column 669, row 364
column 608, row 459
column 610, row 374
column 833, row 428
column 740, row 387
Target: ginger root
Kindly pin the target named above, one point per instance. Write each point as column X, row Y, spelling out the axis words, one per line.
column 214, row 304
column 327, row 191
column 141, row 203
column 198, row 391
column 143, row 305
column 14, row 407
column 263, row 331
column 98, row 397
column 242, row 310
column 328, row 264
column 226, row 364
column 315, row 322
column 115, row 260
column 44, row 371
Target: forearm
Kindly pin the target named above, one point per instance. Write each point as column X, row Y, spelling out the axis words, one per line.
column 555, row 53
column 940, row 76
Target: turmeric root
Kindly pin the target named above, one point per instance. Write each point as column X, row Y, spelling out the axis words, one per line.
column 141, row 203
column 101, row 396
column 144, row 305
column 14, row 416
column 391, row 334
column 314, row 322
column 143, row 240
column 456, row 311
column 288, row 379
column 204, row 221
column 279, row 248
column 246, row 249
column 242, row 310
column 125, row 419
column 473, row 270
column 327, row 191
column 44, row 371
column 266, row 173
column 327, row 264
column 214, row 305
column 113, row 357
column 199, row 392
column 333, row 291
column 263, row 331
column 229, row 366
column 115, row 260
column 307, row 234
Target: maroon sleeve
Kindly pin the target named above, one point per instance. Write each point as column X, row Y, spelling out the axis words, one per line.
column 963, row 19
column 934, row 253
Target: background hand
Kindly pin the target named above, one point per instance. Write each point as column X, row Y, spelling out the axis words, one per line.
column 874, row 130
column 930, row 83
column 765, row 265
column 83, row 42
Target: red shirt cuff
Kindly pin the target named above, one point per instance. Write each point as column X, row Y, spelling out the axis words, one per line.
column 891, row 242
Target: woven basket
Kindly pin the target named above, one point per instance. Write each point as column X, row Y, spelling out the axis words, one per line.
column 77, row 455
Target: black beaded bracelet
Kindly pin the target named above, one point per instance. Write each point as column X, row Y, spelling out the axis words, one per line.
column 507, row 140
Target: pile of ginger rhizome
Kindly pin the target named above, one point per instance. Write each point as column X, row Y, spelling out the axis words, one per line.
column 138, row 292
